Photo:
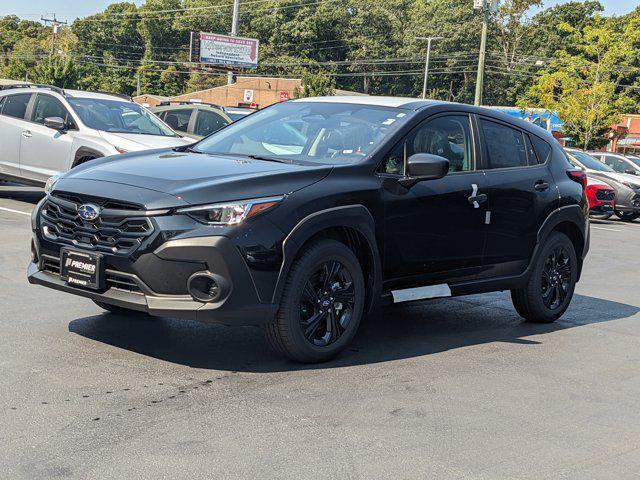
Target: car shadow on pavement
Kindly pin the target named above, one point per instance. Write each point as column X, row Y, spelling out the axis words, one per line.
column 392, row 333
column 21, row 193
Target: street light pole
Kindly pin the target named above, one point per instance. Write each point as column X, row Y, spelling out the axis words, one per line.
column 426, row 64
column 234, row 32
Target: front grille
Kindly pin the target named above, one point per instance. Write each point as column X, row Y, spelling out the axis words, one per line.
column 120, row 229
column 606, row 195
column 51, row 265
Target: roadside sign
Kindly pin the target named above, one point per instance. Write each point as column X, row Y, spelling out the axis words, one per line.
column 228, row 51
column 248, row 96
column 284, row 96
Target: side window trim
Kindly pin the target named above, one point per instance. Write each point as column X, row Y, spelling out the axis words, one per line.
column 403, row 140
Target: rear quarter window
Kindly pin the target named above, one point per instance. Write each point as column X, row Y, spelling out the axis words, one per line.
column 542, row 149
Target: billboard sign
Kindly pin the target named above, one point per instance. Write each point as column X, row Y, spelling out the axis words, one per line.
column 228, row 51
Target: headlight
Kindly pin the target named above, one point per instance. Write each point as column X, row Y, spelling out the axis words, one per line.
column 51, row 182
column 231, row 213
column 632, row 186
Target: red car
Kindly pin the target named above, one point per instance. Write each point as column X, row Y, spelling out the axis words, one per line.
column 602, row 198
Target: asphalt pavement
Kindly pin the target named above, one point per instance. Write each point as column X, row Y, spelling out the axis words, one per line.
column 449, row 389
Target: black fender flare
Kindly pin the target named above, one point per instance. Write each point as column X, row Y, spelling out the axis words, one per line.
column 356, row 217
column 83, row 152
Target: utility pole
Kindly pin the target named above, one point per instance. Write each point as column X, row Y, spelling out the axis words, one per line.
column 487, row 7
column 234, row 32
column 55, row 23
column 426, row 64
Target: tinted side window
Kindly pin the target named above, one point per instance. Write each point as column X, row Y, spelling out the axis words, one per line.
column 505, row 146
column 615, row 163
column 178, row 119
column 47, row 106
column 542, row 148
column 16, row 105
column 2, row 103
column 208, row 122
column 447, row 136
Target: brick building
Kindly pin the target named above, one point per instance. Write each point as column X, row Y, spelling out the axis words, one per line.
column 625, row 137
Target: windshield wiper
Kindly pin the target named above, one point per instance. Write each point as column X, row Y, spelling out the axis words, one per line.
column 268, row 159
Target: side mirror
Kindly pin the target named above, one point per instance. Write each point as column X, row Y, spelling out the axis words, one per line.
column 424, row 166
column 56, row 123
column 631, row 171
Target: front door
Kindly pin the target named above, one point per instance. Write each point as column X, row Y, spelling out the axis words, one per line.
column 44, row 151
column 433, row 232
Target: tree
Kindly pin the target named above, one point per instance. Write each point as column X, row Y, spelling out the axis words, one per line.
column 56, row 70
column 583, row 87
column 316, row 85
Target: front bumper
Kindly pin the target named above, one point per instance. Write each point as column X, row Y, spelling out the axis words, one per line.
column 628, row 201
column 171, row 262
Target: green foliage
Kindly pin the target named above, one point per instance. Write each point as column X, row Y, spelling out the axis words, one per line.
column 317, row 85
column 56, row 70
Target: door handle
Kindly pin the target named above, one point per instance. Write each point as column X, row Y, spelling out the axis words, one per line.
column 475, row 199
column 541, row 186
column 27, row 134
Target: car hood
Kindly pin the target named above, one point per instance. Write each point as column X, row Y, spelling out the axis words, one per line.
column 618, row 177
column 196, row 178
column 134, row 142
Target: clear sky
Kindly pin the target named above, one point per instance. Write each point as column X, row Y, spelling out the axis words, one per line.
column 71, row 9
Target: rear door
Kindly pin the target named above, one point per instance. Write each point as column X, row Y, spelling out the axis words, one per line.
column 521, row 193
column 433, row 232
column 44, row 151
column 12, row 126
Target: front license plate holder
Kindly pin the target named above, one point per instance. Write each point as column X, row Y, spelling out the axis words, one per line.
column 82, row 269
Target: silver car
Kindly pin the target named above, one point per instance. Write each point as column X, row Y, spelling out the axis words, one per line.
column 45, row 130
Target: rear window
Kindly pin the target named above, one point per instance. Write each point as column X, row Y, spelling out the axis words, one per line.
column 16, row 105
column 506, row 147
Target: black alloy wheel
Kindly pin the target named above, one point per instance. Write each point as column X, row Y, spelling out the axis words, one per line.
column 321, row 306
column 327, row 302
column 552, row 280
column 556, row 277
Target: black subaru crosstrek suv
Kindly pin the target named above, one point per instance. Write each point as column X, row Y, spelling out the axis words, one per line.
column 305, row 215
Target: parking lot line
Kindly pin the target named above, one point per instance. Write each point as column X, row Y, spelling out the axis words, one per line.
column 4, row 209
column 605, row 228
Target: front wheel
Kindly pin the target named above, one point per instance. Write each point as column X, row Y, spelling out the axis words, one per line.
column 322, row 304
column 627, row 216
column 553, row 279
column 601, row 216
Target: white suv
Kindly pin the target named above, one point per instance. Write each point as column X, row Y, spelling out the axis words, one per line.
column 45, row 131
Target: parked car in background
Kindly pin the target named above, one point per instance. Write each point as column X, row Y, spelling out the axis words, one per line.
column 627, row 187
column 45, row 130
column 236, row 113
column 601, row 197
column 369, row 202
column 619, row 163
column 195, row 119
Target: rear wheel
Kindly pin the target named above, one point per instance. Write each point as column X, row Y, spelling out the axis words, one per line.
column 627, row 216
column 550, row 288
column 322, row 304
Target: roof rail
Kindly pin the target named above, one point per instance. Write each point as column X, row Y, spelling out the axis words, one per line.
column 33, row 85
column 183, row 102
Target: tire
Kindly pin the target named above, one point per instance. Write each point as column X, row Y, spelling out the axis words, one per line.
column 116, row 310
column 627, row 216
column 319, row 316
column 601, row 216
column 556, row 273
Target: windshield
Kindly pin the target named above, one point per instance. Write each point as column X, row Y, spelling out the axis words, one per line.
column 333, row 133
column 118, row 117
column 590, row 162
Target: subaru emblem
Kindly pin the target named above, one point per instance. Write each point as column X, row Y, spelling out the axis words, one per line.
column 89, row 211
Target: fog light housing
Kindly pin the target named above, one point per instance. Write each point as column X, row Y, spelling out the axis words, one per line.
column 207, row 287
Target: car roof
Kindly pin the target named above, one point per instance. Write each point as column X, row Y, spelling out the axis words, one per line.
column 67, row 93
column 395, row 102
